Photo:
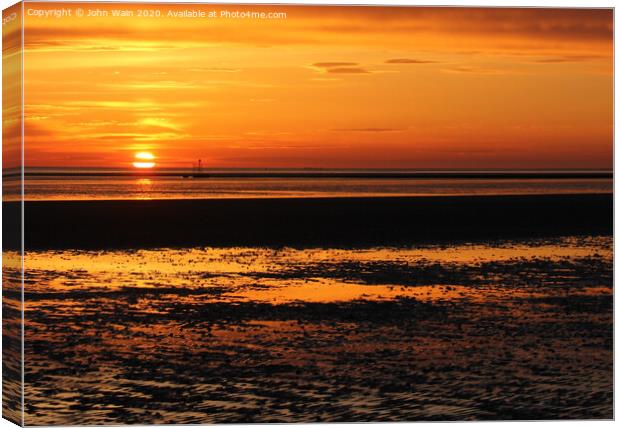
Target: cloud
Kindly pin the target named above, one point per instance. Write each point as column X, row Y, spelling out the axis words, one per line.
column 348, row 70
column 476, row 70
column 93, row 44
column 569, row 58
column 340, row 67
column 491, row 30
column 158, row 123
column 129, row 105
column 410, row 61
column 161, row 84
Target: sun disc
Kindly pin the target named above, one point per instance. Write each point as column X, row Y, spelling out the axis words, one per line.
column 144, row 164
column 144, row 156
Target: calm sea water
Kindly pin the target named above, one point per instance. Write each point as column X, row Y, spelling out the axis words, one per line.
column 76, row 188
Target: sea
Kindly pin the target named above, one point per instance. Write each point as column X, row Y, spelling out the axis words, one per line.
column 97, row 184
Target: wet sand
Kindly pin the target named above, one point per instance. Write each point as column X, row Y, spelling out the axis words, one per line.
column 308, row 222
column 506, row 329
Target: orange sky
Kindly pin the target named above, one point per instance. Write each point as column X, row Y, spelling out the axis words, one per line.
column 325, row 87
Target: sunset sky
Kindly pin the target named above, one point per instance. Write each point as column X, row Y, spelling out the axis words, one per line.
column 348, row 87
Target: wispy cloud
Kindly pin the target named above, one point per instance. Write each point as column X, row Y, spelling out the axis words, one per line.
column 410, row 61
column 569, row 58
column 348, row 70
column 161, row 84
column 340, row 67
column 474, row 70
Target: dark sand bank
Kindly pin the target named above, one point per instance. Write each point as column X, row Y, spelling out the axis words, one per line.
column 308, row 222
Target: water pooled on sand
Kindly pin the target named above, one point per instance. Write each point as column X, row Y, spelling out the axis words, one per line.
column 502, row 330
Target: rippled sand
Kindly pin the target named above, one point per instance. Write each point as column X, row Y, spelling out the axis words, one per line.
column 499, row 331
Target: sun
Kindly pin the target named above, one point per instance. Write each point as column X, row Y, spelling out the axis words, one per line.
column 144, row 160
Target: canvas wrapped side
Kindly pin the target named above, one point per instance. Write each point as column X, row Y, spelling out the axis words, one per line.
column 12, row 204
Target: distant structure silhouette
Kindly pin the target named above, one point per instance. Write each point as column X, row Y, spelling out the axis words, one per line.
column 197, row 167
column 196, row 171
